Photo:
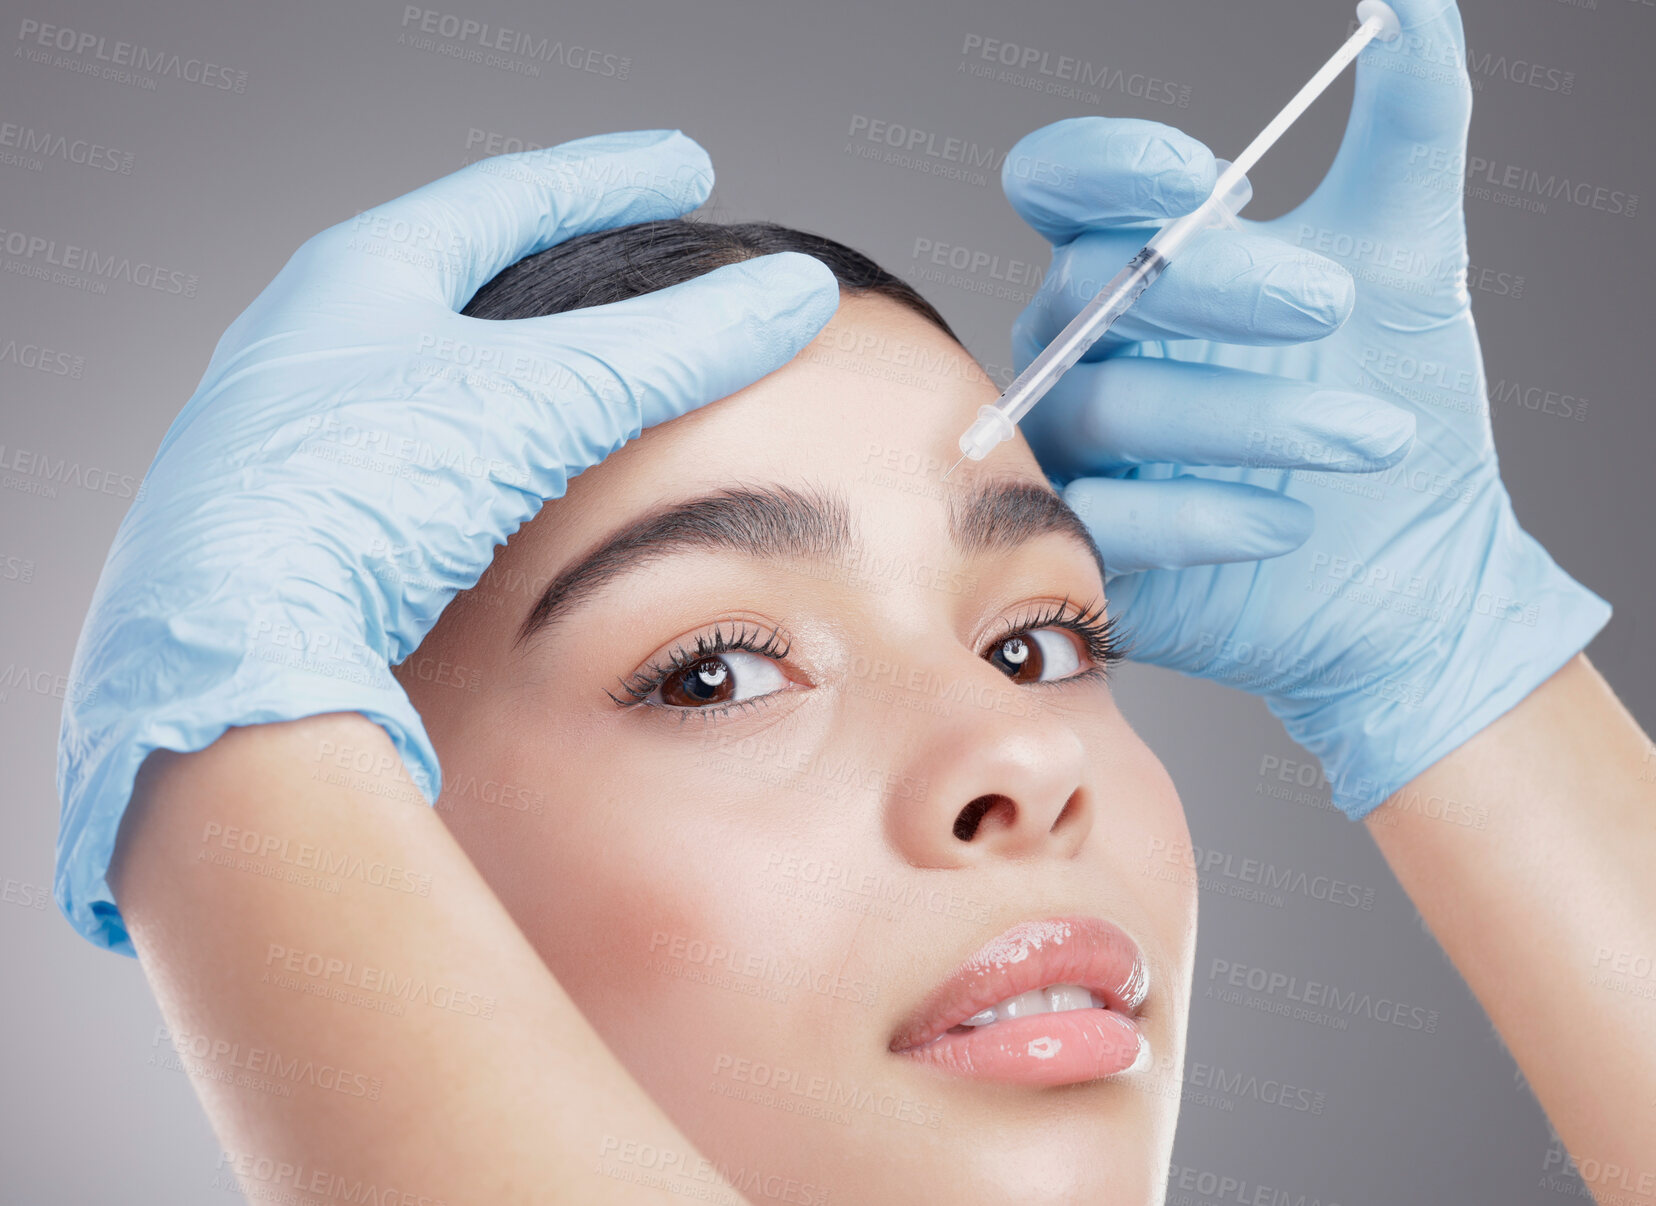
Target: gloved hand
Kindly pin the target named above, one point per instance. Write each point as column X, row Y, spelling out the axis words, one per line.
column 357, row 449
column 1417, row 611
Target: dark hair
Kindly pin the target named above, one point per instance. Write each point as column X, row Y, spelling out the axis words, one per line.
column 612, row 265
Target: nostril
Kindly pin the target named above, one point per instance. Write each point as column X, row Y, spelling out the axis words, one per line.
column 1071, row 811
column 966, row 824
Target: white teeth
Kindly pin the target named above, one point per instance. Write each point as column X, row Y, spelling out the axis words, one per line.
column 1067, row 996
column 1055, row 998
column 1022, row 1005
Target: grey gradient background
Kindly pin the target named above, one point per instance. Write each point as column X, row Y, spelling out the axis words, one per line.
column 337, row 115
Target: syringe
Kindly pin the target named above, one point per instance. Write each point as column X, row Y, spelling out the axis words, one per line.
column 996, row 423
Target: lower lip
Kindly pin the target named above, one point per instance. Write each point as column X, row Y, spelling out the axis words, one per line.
column 1063, row 1048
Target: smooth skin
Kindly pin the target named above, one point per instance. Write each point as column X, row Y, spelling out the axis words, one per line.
column 881, row 724
column 1524, row 906
column 617, row 824
column 362, row 557
column 1533, row 872
column 1549, row 910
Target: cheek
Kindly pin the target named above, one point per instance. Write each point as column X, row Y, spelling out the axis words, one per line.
column 650, row 888
column 1144, row 844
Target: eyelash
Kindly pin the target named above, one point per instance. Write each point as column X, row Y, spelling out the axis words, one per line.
column 642, row 684
column 1101, row 635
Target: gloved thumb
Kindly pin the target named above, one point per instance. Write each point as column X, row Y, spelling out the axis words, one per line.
column 1401, row 166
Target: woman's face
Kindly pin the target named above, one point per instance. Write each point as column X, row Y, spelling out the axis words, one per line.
column 803, row 733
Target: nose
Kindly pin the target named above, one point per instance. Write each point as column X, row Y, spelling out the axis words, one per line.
column 1003, row 779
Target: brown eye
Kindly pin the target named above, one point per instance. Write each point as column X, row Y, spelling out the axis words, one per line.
column 706, row 682
column 1018, row 659
column 1039, row 655
column 732, row 677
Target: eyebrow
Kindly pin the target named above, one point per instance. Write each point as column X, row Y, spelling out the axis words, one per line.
column 775, row 521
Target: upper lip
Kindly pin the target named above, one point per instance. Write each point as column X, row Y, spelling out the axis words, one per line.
column 1088, row 951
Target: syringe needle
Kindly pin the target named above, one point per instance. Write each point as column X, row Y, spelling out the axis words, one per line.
column 952, row 468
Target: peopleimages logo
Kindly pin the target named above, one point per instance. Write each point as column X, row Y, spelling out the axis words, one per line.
column 485, row 37
column 778, row 970
column 1061, row 74
column 1265, row 1090
column 26, row 140
column 831, row 1092
column 267, row 1065
column 307, row 1179
column 1184, row 1180
column 38, row 252
column 305, row 856
column 1290, row 990
column 1511, row 184
column 42, row 359
column 918, row 140
column 408, row 989
column 37, row 473
column 1210, row 864
column 672, row 1169
column 39, row 39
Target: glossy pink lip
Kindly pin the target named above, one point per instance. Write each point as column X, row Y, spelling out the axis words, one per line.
column 1042, row 1049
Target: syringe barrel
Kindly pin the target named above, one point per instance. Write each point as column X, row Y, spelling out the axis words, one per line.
column 1084, row 330
column 1230, row 193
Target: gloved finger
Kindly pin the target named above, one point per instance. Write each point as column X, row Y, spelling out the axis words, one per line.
column 613, row 370
column 1401, row 165
column 1138, row 410
column 443, row 241
column 1227, row 285
column 1178, row 522
column 1084, row 173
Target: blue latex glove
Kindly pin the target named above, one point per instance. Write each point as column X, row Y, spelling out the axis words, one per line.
column 1418, row 610
column 358, row 448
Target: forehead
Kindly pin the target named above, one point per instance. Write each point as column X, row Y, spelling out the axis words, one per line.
column 872, row 409
column 880, row 389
